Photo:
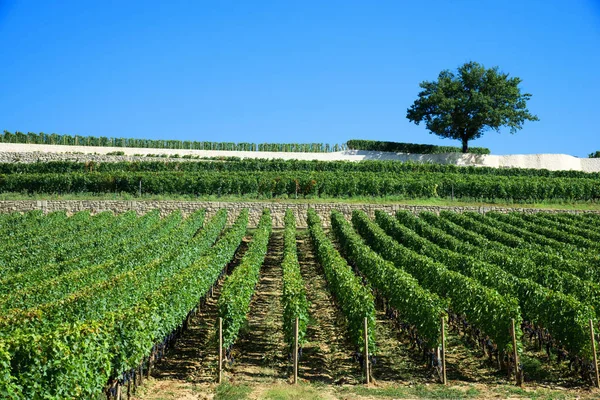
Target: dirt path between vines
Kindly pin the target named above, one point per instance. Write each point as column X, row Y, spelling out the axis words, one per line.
column 259, row 353
column 327, row 356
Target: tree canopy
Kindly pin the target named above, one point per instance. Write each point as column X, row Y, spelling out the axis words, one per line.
column 465, row 105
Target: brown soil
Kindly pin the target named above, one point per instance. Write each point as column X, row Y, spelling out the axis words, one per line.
column 259, row 353
column 465, row 362
column 396, row 360
column 327, row 356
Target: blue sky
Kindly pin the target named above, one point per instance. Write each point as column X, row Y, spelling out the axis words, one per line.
column 283, row 71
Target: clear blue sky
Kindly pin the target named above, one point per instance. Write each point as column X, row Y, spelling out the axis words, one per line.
column 283, row 71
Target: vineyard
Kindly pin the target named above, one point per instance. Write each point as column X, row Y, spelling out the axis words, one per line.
column 93, row 305
column 266, row 179
column 103, row 141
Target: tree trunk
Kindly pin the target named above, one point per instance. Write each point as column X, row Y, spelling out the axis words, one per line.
column 465, row 145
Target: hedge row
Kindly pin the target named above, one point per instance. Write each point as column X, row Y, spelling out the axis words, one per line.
column 103, row 141
column 396, row 147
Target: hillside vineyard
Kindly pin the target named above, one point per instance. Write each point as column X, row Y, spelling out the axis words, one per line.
column 265, row 179
column 77, row 140
column 89, row 304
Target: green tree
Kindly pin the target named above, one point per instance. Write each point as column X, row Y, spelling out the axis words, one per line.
column 465, row 105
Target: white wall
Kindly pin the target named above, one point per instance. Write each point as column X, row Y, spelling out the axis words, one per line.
column 538, row 161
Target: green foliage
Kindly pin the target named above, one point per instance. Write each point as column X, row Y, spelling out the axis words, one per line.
column 542, row 250
column 312, row 184
column 114, row 247
column 581, row 237
column 564, row 316
column 355, row 300
column 595, row 154
column 52, row 243
column 395, row 147
column 575, row 222
column 567, row 245
column 76, row 140
column 546, row 269
column 234, row 302
column 70, row 350
column 38, row 286
column 295, row 304
column 233, row 164
column 417, row 306
column 86, row 295
column 9, row 388
column 465, row 105
column 164, row 309
column 484, row 307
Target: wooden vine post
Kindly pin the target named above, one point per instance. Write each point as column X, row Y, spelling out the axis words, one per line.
column 594, row 352
column 296, row 351
column 444, row 380
column 220, row 350
column 515, row 353
column 366, row 355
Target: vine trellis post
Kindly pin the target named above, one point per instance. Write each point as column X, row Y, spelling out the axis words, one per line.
column 296, row 351
column 220, row 378
column 366, row 356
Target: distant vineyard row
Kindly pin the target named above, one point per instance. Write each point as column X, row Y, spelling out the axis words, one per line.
column 234, row 164
column 103, row 141
column 308, row 184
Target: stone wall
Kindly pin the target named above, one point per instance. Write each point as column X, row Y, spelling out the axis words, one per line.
column 33, row 157
column 255, row 208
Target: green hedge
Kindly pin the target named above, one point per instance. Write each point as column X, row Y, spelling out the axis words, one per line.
column 103, row 141
column 396, row 147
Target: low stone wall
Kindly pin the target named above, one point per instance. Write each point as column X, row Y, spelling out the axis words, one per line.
column 33, row 157
column 255, row 208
